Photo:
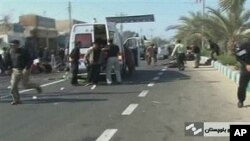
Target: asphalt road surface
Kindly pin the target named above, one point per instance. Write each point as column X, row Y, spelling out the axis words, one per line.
column 152, row 105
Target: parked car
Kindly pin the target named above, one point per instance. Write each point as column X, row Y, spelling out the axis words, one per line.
column 162, row 53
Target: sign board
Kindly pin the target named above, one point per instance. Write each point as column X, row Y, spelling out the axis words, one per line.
column 45, row 22
column 131, row 19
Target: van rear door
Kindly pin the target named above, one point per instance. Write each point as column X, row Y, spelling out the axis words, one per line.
column 86, row 40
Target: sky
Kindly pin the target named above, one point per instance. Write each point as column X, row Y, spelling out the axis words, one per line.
column 166, row 12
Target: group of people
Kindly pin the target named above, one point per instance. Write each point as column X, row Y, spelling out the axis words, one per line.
column 98, row 55
column 242, row 53
column 51, row 57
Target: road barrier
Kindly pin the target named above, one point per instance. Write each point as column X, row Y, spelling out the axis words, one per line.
column 225, row 70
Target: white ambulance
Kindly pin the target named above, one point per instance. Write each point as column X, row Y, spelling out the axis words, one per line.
column 87, row 33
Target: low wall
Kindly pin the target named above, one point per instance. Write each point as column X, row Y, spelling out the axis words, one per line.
column 225, row 70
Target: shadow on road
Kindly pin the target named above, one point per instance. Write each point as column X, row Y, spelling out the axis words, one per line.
column 146, row 76
column 56, row 100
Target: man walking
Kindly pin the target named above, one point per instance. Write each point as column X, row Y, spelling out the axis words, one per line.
column 113, row 52
column 215, row 49
column 196, row 51
column 94, row 57
column 150, row 53
column 180, row 51
column 20, row 61
column 243, row 56
column 75, row 56
column 155, row 53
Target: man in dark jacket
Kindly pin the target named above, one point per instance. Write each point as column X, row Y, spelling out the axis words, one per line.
column 215, row 49
column 75, row 56
column 19, row 60
column 113, row 52
column 243, row 56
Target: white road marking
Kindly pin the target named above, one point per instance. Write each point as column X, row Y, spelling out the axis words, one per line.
column 27, row 90
column 156, row 78
column 157, row 102
column 163, row 69
column 143, row 93
column 34, row 97
column 129, row 110
column 151, row 84
column 160, row 73
column 93, row 87
column 107, row 135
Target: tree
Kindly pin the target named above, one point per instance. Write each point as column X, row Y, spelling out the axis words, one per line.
column 159, row 41
column 228, row 24
column 128, row 34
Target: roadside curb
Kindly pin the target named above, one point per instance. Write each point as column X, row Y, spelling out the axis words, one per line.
column 226, row 71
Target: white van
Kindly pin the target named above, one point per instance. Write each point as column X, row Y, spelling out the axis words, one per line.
column 87, row 33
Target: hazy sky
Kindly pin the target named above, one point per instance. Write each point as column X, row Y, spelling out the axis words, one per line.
column 166, row 12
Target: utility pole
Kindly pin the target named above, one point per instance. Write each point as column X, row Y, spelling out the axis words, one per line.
column 151, row 31
column 70, row 18
column 70, row 25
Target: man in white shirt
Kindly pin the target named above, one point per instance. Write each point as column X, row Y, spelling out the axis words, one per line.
column 180, row 52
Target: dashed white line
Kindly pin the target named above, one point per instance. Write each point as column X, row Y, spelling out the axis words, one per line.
column 93, row 87
column 156, row 78
column 129, row 110
column 107, row 135
column 164, row 69
column 151, row 84
column 160, row 73
column 143, row 93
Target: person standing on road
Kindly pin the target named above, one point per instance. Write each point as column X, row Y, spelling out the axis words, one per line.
column 197, row 55
column 46, row 55
column 75, row 56
column 180, row 51
column 155, row 54
column 40, row 52
column 215, row 49
column 150, row 53
column 113, row 52
column 94, row 57
column 20, row 61
column 243, row 56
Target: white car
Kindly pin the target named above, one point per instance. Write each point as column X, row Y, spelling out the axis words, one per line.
column 162, row 53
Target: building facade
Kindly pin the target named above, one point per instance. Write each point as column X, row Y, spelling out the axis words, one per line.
column 63, row 28
column 39, row 31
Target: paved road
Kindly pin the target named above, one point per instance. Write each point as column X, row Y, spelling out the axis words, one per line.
column 153, row 105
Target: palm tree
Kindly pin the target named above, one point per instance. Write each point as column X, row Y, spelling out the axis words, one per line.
column 231, row 21
column 190, row 27
column 228, row 24
column 232, row 6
